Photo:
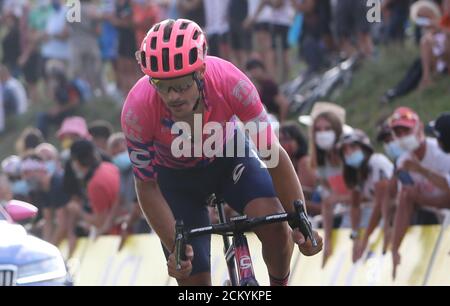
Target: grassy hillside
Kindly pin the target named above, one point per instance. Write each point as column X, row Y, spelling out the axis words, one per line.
column 361, row 98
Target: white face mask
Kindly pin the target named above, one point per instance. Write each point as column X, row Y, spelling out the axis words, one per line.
column 409, row 143
column 325, row 140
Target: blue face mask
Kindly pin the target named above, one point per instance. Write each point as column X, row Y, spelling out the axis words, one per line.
column 355, row 159
column 122, row 161
column 393, row 150
column 51, row 167
column 20, row 188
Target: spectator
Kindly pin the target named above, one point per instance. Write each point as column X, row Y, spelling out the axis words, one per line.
column 282, row 18
column 85, row 59
column 240, row 38
column 396, row 13
column 315, row 30
column 14, row 96
column 367, row 174
column 145, row 15
column 351, row 19
column 435, row 42
column 275, row 102
column 217, row 27
column 5, row 189
column 133, row 220
column 55, row 48
column 391, row 147
column 442, row 131
column 100, row 130
column 11, row 167
column 108, row 39
column 259, row 19
column 423, row 172
column 67, row 97
column 47, row 191
column 30, row 60
column 11, row 43
column 127, row 71
column 28, row 140
column 326, row 129
column 295, row 144
column 193, row 10
column 102, row 188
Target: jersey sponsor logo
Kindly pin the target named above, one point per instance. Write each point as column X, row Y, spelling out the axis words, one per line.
column 237, row 172
column 140, row 158
column 245, row 93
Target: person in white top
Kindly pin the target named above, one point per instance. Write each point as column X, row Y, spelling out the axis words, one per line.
column 368, row 175
column 423, row 173
column 217, row 27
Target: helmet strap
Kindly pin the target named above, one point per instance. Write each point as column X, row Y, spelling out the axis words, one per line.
column 200, row 86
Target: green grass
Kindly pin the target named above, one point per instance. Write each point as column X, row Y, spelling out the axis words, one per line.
column 373, row 78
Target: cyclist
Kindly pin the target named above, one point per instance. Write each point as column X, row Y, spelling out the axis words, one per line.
column 181, row 84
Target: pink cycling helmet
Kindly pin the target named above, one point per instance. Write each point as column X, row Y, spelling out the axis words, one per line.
column 172, row 48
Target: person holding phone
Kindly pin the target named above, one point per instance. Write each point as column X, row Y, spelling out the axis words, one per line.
column 423, row 173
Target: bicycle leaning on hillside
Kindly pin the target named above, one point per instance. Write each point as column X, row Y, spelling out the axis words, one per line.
column 237, row 253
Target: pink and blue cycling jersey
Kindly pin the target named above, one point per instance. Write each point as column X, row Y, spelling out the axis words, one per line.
column 147, row 122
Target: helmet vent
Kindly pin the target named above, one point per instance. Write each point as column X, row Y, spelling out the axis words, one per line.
column 193, row 55
column 165, row 59
column 178, row 61
column 180, row 40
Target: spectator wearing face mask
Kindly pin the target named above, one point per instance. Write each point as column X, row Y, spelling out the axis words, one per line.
column 423, row 172
column 47, row 192
column 368, row 175
column 102, row 181
column 391, row 147
column 327, row 128
column 132, row 220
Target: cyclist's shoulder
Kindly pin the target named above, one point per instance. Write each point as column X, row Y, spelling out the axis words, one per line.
column 141, row 99
column 219, row 67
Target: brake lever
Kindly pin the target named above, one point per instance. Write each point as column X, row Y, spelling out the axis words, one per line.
column 304, row 225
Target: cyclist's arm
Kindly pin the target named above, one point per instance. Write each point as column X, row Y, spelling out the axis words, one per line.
column 285, row 180
column 156, row 211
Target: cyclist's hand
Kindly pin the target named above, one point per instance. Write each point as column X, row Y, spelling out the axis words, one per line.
column 306, row 247
column 186, row 266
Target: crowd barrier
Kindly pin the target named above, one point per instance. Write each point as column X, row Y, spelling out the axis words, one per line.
column 141, row 261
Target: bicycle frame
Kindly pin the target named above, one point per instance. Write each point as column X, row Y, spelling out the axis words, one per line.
column 237, row 253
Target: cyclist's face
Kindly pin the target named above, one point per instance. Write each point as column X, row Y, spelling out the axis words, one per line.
column 180, row 95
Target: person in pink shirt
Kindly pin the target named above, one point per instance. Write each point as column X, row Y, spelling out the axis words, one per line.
column 185, row 90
